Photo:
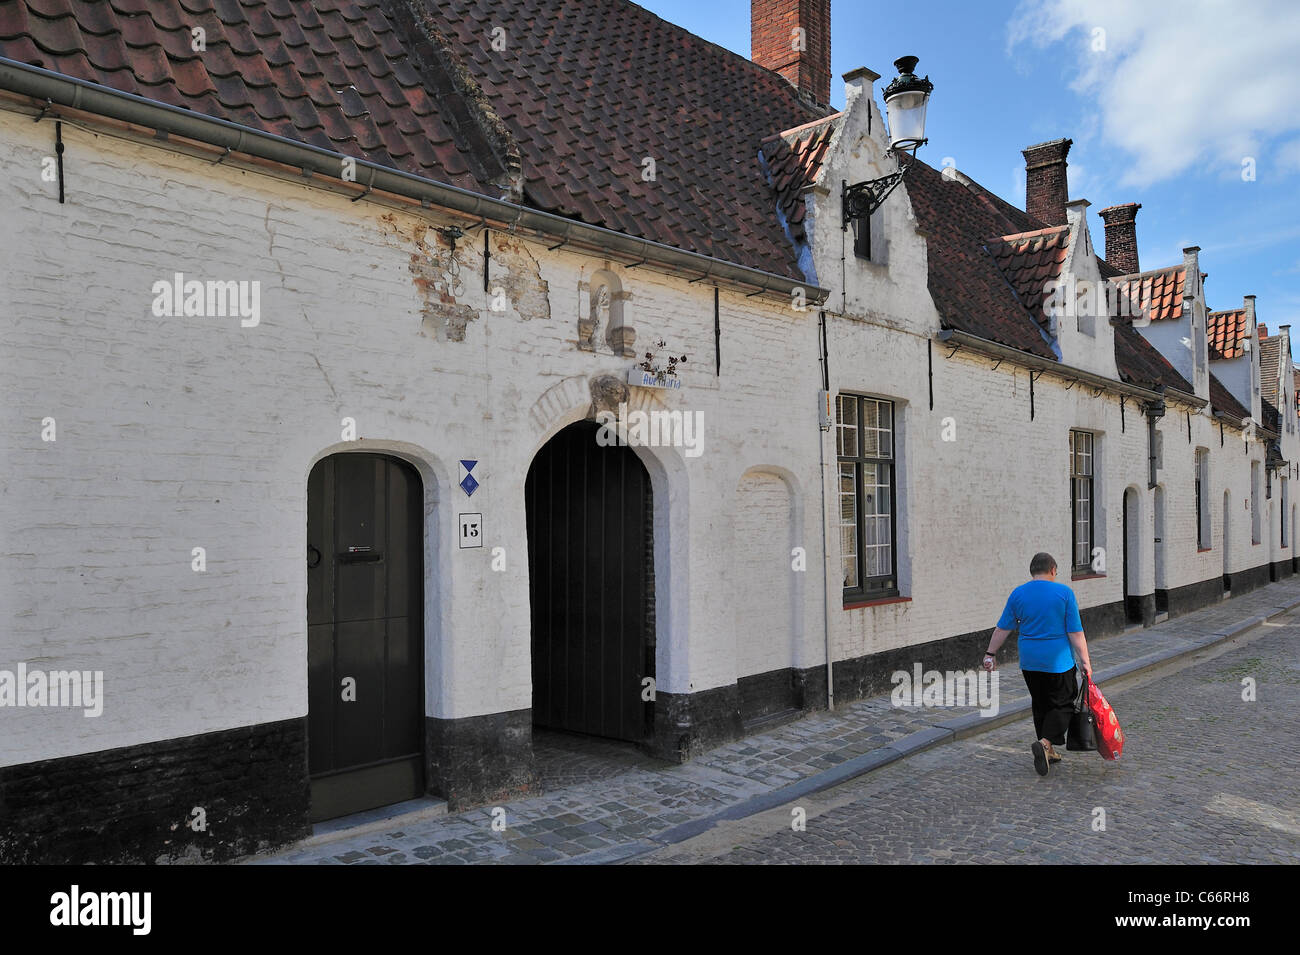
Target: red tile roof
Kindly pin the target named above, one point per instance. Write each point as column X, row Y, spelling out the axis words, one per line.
column 792, row 159
column 988, row 265
column 344, row 75
column 1159, row 290
column 580, row 95
column 592, row 88
column 1030, row 260
column 960, row 219
column 1227, row 331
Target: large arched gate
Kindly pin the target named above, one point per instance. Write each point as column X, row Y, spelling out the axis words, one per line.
column 590, row 557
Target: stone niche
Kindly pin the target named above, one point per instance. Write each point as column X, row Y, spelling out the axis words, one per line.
column 602, row 324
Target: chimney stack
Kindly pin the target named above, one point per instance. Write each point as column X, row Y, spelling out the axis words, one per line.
column 793, row 37
column 1121, row 237
column 1046, row 190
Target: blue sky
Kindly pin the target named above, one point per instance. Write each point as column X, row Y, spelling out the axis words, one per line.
column 1146, row 91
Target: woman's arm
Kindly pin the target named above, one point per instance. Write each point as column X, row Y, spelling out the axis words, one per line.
column 1080, row 646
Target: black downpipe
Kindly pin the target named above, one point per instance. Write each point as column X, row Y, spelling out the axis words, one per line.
column 487, row 260
column 826, row 372
column 929, row 360
column 58, row 155
column 717, row 336
column 1031, row 396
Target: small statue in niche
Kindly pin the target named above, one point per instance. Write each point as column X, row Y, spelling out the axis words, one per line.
column 602, row 326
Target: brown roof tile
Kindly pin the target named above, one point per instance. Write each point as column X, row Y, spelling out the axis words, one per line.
column 793, row 159
column 612, row 84
column 581, row 93
column 1159, row 290
column 346, row 75
column 1030, row 260
column 1227, row 332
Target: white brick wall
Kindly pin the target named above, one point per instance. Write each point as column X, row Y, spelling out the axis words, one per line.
column 972, row 512
column 175, row 433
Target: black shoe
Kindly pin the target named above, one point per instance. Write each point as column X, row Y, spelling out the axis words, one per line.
column 1040, row 758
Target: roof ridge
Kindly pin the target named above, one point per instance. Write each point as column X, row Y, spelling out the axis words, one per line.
column 1162, row 269
column 749, row 64
column 799, row 129
column 494, row 146
column 1049, row 230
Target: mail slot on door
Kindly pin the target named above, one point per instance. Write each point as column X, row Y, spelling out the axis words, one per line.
column 356, row 555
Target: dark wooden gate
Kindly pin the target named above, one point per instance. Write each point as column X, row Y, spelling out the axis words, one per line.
column 589, row 542
column 365, row 633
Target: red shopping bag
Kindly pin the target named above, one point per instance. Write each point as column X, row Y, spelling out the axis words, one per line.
column 1110, row 738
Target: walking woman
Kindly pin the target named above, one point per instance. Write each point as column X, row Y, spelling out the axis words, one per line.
column 1051, row 639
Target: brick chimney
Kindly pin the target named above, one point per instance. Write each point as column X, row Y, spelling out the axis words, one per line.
column 793, row 37
column 1046, row 190
column 1121, row 237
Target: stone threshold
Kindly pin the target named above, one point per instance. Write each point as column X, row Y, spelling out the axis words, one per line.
column 373, row 820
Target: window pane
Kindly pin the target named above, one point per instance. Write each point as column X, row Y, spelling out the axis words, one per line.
column 846, row 431
column 870, row 427
column 850, row 571
column 849, row 524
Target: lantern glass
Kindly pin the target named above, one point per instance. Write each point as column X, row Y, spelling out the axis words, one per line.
column 907, row 118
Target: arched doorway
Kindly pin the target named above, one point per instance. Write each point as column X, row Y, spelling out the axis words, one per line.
column 590, row 567
column 365, row 633
column 1132, row 600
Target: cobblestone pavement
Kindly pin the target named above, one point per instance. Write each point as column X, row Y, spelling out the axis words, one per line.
column 601, row 801
column 1205, row 778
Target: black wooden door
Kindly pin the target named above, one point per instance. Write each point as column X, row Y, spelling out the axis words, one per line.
column 365, row 633
column 588, row 548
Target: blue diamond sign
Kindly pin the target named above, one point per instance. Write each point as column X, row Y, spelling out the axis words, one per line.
column 468, row 484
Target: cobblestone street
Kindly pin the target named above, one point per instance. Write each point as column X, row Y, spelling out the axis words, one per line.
column 1204, row 778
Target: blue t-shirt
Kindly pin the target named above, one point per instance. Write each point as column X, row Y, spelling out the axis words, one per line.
column 1045, row 612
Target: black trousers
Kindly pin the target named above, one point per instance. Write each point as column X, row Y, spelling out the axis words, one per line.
column 1052, row 696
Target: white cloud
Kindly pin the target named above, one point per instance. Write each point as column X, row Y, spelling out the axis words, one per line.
column 1179, row 84
column 1288, row 156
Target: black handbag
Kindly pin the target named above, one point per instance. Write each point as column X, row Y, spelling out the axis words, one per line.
column 1082, row 736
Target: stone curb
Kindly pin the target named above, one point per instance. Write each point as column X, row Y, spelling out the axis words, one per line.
column 948, row 731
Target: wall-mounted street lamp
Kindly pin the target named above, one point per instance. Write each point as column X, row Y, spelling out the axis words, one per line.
column 906, row 99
